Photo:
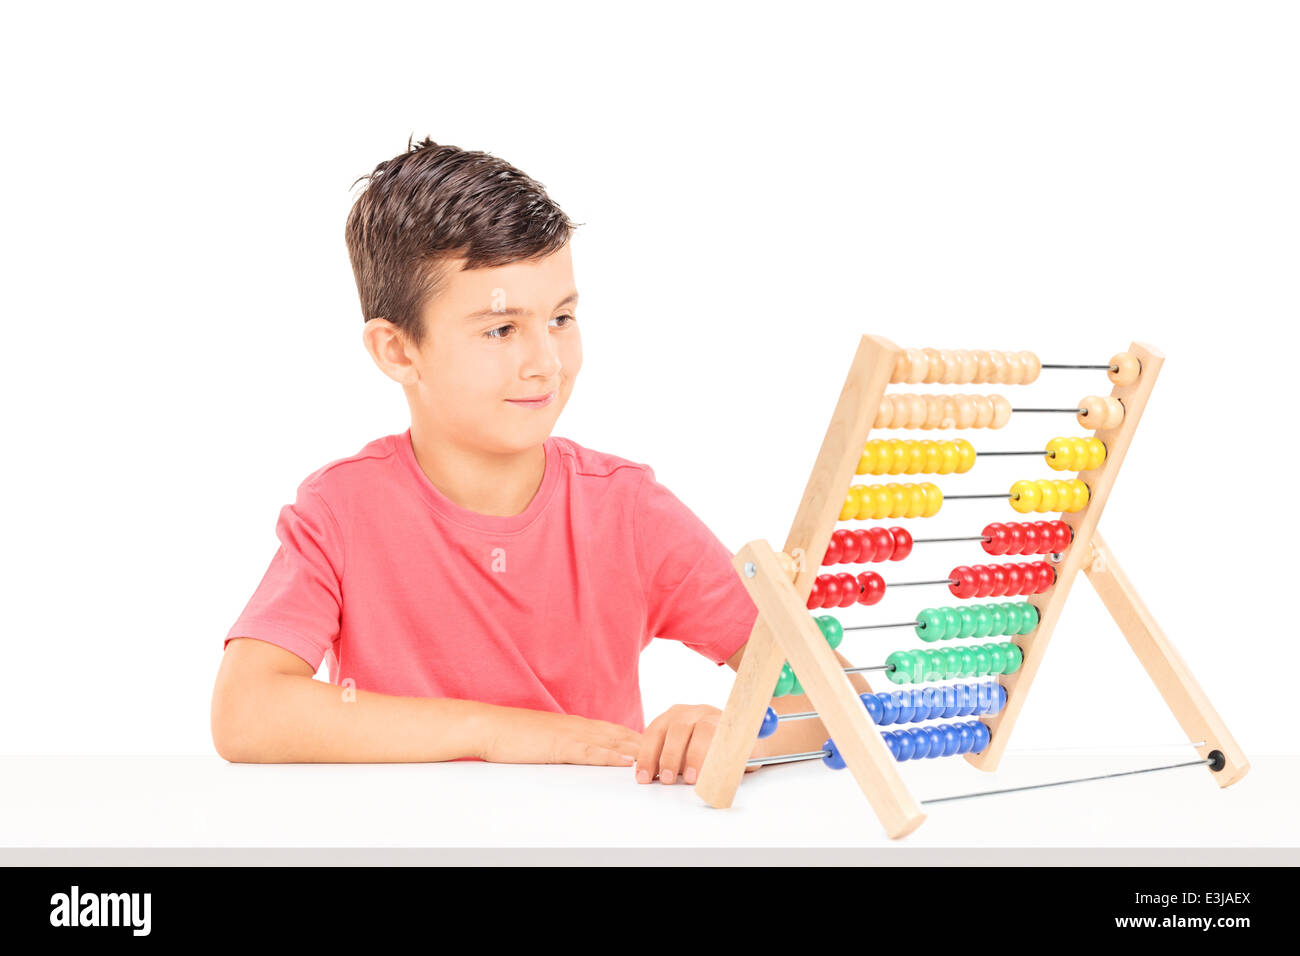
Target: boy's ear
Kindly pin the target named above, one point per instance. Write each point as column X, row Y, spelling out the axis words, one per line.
column 389, row 350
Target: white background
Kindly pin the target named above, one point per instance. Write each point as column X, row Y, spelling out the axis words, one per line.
column 759, row 185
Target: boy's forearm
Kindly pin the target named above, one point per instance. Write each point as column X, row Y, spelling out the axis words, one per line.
column 295, row 719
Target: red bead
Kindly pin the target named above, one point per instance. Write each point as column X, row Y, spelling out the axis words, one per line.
column 815, row 595
column 1031, row 538
column 999, row 573
column 999, row 539
column 848, row 590
column 966, row 584
column 1046, row 536
column 902, row 543
column 1016, row 532
column 830, row 590
column 865, row 547
column 881, row 546
column 873, row 587
column 848, row 547
column 983, row 580
column 1045, row 577
column 1064, row 535
column 834, row 550
column 1015, row 578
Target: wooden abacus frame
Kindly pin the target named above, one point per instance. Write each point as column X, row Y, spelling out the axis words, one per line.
column 780, row 582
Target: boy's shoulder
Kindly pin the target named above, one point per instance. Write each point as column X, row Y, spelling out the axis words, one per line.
column 591, row 463
column 357, row 469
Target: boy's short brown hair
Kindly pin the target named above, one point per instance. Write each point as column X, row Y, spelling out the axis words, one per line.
column 432, row 203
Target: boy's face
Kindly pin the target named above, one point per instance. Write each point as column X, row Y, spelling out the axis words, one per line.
column 494, row 336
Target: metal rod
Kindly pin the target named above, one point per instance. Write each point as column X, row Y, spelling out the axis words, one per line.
column 1042, row 451
column 868, row 627
column 978, row 537
column 1107, row 368
column 1003, row 494
column 904, row 584
column 1073, row 411
column 786, row 758
column 874, row 667
column 1061, row 783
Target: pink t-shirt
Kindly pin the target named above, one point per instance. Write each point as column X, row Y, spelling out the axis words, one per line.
column 407, row 593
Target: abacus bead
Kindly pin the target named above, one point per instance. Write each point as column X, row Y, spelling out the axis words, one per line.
column 1046, row 576
column 902, row 701
column 879, row 544
column 967, row 662
column 848, row 589
column 829, row 595
column 832, row 758
column 965, row 455
column 873, row 588
column 1058, row 454
column 915, row 458
column 1046, row 536
column 998, row 367
column 898, row 498
column 1126, row 368
column 850, row 507
column 1066, row 494
column 918, row 365
column 920, row 742
column 966, row 582
column 1012, row 611
column 950, row 662
column 1081, row 452
column 935, row 734
column 862, row 500
column 1064, row 535
column 888, row 737
column 831, row 629
column 1001, row 411
column 815, row 594
column 1081, row 495
column 901, row 664
column 969, row 364
column 1114, row 412
column 770, row 723
column 1025, row 496
column 983, row 622
column 935, row 661
column 999, row 539
column 1014, row 658
column 930, row 626
column 1016, row 533
column 879, row 501
column 834, row 549
column 1033, row 365
column 980, row 731
column 981, row 661
column 1015, row 579
column 1000, row 581
column 951, row 739
column 1015, row 368
column 796, row 688
column 966, row 697
column 967, row 738
column 951, row 622
column 983, row 412
column 888, row 710
column 950, row 702
column 843, row 548
column 784, row 682
column 933, row 454
column 997, row 658
column 968, row 621
column 1031, row 537
column 874, row 708
column 933, row 498
column 1092, row 412
column 902, row 541
column 916, row 502
column 1028, row 618
column 1096, row 454
column 1002, row 696
column 869, row 458
column 1047, row 495
column 893, row 457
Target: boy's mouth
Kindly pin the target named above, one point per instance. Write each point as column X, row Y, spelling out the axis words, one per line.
column 538, row 401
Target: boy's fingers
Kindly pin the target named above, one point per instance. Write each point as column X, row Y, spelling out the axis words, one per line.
column 698, row 750
column 676, row 741
column 652, row 741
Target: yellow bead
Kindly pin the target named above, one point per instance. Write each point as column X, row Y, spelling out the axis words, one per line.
column 1064, row 494
column 1047, row 495
column 948, row 457
column 915, row 458
column 1058, row 454
column 1097, row 453
column 1080, row 456
column 878, row 502
column 915, row 501
column 897, row 500
column 1081, row 495
column 933, row 499
column 896, row 451
column 933, row 456
column 965, row 456
column 1025, row 496
column 849, row 509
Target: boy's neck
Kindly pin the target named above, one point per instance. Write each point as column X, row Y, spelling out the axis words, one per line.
column 478, row 481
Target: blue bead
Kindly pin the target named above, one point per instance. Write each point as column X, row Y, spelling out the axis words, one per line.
column 985, row 698
column 874, row 710
column 891, row 741
column 770, row 723
column 951, row 740
column 920, row 742
column 928, row 703
column 890, row 711
column 949, row 701
column 1002, row 698
column 936, row 742
column 832, row 759
column 967, row 738
column 906, row 744
column 903, row 701
column 981, row 732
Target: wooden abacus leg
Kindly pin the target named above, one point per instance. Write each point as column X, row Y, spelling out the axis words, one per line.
column 1163, row 663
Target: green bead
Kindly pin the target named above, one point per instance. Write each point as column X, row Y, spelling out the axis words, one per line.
column 832, row 630
column 930, row 626
column 922, row 665
column 798, row 687
column 997, row 658
column 1012, row 611
column 1015, row 657
column 967, row 662
column 968, row 622
column 981, row 661
column 901, row 664
column 983, row 621
column 784, row 682
column 999, row 619
column 951, row 623
column 1028, row 618
column 951, row 662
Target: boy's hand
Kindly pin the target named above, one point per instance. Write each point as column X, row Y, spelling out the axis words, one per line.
column 541, row 737
column 676, row 742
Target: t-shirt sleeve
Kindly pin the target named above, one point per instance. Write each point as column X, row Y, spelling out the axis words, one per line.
column 299, row 603
column 692, row 592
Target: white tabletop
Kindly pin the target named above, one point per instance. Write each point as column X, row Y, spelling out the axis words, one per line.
column 196, row 801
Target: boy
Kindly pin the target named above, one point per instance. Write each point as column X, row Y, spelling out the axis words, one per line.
column 480, row 588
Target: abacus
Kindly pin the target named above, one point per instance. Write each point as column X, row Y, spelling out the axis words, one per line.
column 791, row 652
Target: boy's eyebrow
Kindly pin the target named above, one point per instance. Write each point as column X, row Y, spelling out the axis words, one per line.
column 570, row 299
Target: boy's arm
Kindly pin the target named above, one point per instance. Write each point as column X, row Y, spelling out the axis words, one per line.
column 267, row 707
